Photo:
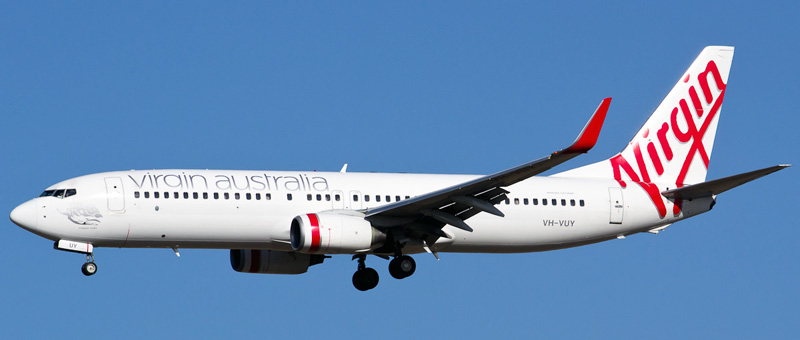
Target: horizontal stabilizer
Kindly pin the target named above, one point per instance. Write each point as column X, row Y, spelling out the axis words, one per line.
column 719, row 186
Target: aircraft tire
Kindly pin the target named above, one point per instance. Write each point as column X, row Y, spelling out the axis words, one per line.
column 365, row 279
column 402, row 267
column 89, row 268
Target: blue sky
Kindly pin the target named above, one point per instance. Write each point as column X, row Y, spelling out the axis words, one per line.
column 444, row 87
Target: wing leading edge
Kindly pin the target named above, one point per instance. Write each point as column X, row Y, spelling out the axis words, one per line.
column 427, row 214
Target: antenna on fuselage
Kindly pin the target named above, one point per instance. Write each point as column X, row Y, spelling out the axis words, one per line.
column 344, row 168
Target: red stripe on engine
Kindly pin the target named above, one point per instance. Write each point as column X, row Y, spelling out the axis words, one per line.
column 255, row 261
column 315, row 239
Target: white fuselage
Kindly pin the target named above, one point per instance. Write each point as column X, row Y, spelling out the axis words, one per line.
column 254, row 209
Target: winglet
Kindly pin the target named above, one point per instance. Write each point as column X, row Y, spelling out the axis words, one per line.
column 588, row 137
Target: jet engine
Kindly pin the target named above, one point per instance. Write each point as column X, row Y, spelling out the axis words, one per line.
column 272, row 262
column 334, row 233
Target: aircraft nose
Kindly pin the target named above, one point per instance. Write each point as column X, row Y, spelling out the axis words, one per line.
column 25, row 215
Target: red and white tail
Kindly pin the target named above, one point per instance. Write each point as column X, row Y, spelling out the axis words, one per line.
column 673, row 147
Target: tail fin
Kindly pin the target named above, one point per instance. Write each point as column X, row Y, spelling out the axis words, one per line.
column 673, row 147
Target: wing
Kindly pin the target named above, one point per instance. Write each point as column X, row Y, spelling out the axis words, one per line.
column 425, row 215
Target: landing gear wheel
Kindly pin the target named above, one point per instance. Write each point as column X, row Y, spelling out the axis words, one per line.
column 89, row 268
column 365, row 279
column 402, row 267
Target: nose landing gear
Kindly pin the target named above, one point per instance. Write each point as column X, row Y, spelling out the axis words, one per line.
column 88, row 268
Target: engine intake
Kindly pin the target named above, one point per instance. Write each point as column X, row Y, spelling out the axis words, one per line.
column 333, row 233
column 272, row 261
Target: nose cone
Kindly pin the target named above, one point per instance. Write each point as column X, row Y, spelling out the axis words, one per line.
column 25, row 215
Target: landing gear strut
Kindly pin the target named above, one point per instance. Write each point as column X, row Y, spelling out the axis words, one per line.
column 364, row 278
column 89, row 268
column 402, row 267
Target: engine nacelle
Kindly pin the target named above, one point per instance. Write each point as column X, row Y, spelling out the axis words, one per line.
column 272, row 262
column 333, row 233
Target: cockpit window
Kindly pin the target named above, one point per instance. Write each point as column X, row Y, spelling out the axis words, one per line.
column 59, row 193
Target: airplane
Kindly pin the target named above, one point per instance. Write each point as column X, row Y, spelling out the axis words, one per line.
column 283, row 222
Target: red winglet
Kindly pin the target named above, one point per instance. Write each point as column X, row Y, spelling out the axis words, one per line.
column 591, row 131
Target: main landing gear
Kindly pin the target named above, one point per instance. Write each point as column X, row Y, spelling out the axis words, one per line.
column 89, row 268
column 364, row 278
column 402, row 266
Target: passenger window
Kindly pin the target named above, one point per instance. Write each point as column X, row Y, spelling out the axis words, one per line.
column 337, row 198
column 508, row 201
column 377, row 198
column 70, row 192
column 355, row 198
column 366, row 198
column 186, row 195
column 328, row 197
column 166, row 195
column 309, row 197
column 407, row 197
column 195, row 195
column 388, row 198
column 236, row 196
column 146, row 194
column 268, row 196
column 554, row 201
column 155, row 194
column 581, row 202
column 227, row 196
column 175, row 195
column 319, row 197
column 516, row 201
column 248, row 196
column 289, row 197
column 397, row 198
column 535, row 201
column 258, row 196
column 205, row 195
column 544, row 201
column 563, row 202
column 135, row 194
column 216, row 195
column 572, row 202
column 525, row 201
